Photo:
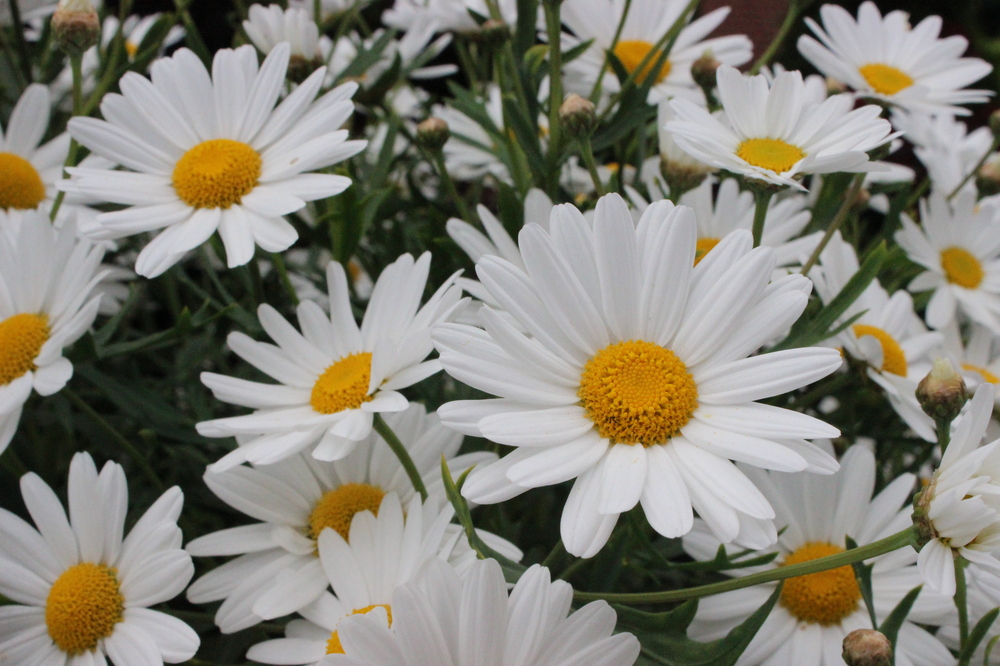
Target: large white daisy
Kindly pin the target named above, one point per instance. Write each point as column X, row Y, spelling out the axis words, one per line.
column 213, row 153
column 334, row 375
column 634, row 380
column 816, row 612
column 81, row 592
column 884, row 58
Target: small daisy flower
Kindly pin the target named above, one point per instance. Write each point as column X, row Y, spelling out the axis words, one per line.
column 885, row 59
column 334, row 375
column 211, row 154
column 446, row 15
column 944, row 146
column 443, row 619
column 817, row 611
column 771, row 133
column 634, row 380
column 329, row 9
column 977, row 360
column 646, row 24
column 46, row 276
column 81, row 592
column 269, row 26
column 958, row 243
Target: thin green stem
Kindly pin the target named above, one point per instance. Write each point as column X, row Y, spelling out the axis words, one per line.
column 19, row 40
column 318, row 11
column 554, row 555
column 896, row 541
column 943, row 433
column 437, row 157
column 962, row 606
column 975, row 169
column 192, row 36
column 588, row 159
column 836, row 222
column 595, row 93
column 794, row 9
column 762, row 199
column 76, row 67
column 279, row 265
column 383, row 429
column 553, row 26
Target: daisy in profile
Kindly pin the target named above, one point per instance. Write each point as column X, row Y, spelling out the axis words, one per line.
column 269, row 26
column 46, row 279
column 81, row 593
column 770, row 132
column 635, row 379
column 307, row 496
column 213, row 153
column 958, row 243
column 817, row 611
column 885, row 59
column 977, row 359
column 443, row 619
column 644, row 26
column 334, row 376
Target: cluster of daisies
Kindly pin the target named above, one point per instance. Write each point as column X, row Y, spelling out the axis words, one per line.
column 673, row 344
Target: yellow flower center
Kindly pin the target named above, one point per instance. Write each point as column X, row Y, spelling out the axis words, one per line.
column 885, row 79
column 21, row 338
column 703, row 247
column 344, row 385
column 337, row 508
column 83, row 607
column 333, row 645
column 893, row 357
column 961, row 267
column 631, row 53
column 822, row 598
column 131, row 48
column 637, row 392
column 982, row 372
column 773, row 154
column 20, row 185
column 216, row 173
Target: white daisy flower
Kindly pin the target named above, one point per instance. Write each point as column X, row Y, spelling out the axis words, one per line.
column 446, row 15
column 269, row 26
column 81, row 592
column 646, row 24
column 634, row 380
column 444, row 619
column 334, row 375
column 46, row 276
column 329, row 9
column 30, row 9
column 944, row 146
column 673, row 159
column 958, row 243
column 960, row 508
column 884, row 58
column 976, row 360
column 817, row 611
column 470, row 153
column 982, row 596
column 213, row 153
column 296, row 499
column 771, row 133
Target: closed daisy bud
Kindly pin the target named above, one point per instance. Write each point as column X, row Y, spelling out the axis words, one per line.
column 703, row 71
column 495, row 33
column 867, row 647
column 941, row 393
column 76, row 26
column 433, row 133
column 577, row 116
column 988, row 176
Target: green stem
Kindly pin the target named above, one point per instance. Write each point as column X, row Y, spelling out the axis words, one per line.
column 383, row 429
column 588, row 159
column 762, row 199
column 962, row 606
column 16, row 466
column 279, row 265
column 553, row 26
column 887, row 545
column 318, row 11
column 975, row 169
column 22, row 44
column 554, row 555
column 943, row 433
column 786, row 26
column 437, row 157
column 836, row 222
column 76, row 66
column 192, row 36
column 595, row 93
column 117, row 437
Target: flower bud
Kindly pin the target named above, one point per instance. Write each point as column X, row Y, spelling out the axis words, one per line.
column 941, row 393
column 995, row 123
column 867, row 647
column 680, row 171
column 75, row 26
column 432, row 134
column 577, row 115
column 494, row 32
column 988, row 176
column 703, row 71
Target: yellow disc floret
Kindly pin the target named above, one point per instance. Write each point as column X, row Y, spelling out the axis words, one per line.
column 216, row 173
column 637, row 392
column 333, row 645
column 982, row 372
column 20, row 185
column 822, row 598
column 703, row 247
column 344, row 385
column 885, row 79
column 337, row 508
column 83, row 607
column 774, row 154
column 21, row 338
column 961, row 267
column 893, row 356
column 631, row 53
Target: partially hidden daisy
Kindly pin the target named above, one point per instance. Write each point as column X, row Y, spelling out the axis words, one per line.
column 443, row 619
column 634, row 380
column 884, row 58
column 80, row 591
column 213, row 153
column 815, row 612
column 771, row 132
column 295, row 500
column 977, row 359
column 46, row 280
column 269, row 26
column 334, row 376
column 945, row 146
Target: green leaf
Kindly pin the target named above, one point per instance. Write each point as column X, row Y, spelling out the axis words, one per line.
column 863, row 574
column 890, row 628
column 367, row 57
column 977, row 635
column 524, row 33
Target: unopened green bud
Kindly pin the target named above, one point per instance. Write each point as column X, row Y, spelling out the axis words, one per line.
column 942, row 393
column 703, row 71
column 75, row 26
column 494, row 32
column 577, row 115
column 867, row 647
column 921, row 519
column 433, row 133
column 988, row 176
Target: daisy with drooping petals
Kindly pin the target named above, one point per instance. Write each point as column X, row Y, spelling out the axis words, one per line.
column 334, row 375
column 958, row 242
column 213, row 153
column 884, row 58
column 634, row 380
column 46, row 276
column 771, row 132
column 817, row 611
column 303, row 497
column 84, row 591
column 443, row 619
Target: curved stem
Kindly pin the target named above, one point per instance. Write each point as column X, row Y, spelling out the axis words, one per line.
column 836, row 222
column 553, row 26
column 76, row 66
column 786, row 26
column 588, row 159
column 279, row 265
column 383, row 429
column 975, row 169
column 762, row 198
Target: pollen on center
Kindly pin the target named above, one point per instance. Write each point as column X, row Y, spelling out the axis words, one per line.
column 961, row 267
column 774, row 154
column 337, row 508
column 21, row 187
column 703, row 247
column 21, row 339
column 631, row 53
column 343, row 385
column 216, row 173
column 885, row 79
column 637, row 392
column 83, row 607
column 826, row 597
column 333, row 645
column 893, row 356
